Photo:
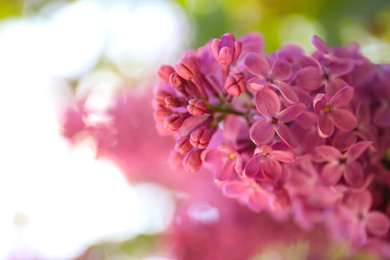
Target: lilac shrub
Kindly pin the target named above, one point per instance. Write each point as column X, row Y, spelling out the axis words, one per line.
column 296, row 135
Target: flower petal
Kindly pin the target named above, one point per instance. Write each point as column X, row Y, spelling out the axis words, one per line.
column 262, row 132
column 342, row 140
column 224, row 171
column 382, row 115
column 377, row 223
column 253, row 167
column 359, row 202
column 343, row 119
column 235, row 189
column 272, row 170
column 340, row 67
column 290, row 113
column 267, row 102
column 285, row 134
column 281, row 70
column 310, row 78
column 320, row 44
column 257, row 200
column 326, row 153
column 283, row 156
column 333, row 85
column 212, row 155
column 256, row 64
column 320, row 101
column 287, row 92
column 331, row 174
column 354, row 175
column 356, row 150
column 282, row 200
column 342, row 97
column 325, row 126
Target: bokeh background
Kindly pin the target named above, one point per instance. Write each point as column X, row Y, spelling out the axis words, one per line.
column 58, row 199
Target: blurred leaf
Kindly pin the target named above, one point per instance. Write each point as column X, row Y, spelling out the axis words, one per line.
column 11, row 8
column 131, row 249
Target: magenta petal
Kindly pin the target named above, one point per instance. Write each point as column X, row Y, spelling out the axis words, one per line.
column 225, row 171
column 290, row 113
column 359, row 203
column 382, row 115
column 252, row 42
column 331, row 174
column 342, row 97
column 342, row 140
column 256, row 64
column 285, row 134
column 343, row 119
column 282, row 200
column 231, row 127
column 306, row 119
column 212, row 155
column 281, row 70
column 283, row 156
column 328, row 153
column 262, row 132
column 333, row 85
column 320, row 44
column 267, row 102
column 253, row 167
column 356, row 150
column 341, row 67
column 320, row 101
column 325, row 126
column 354, row 175
column 235, row 189
column 377, row 223
column 257, row 200
column 287, row 92
column 272, row 170
column 310, row 78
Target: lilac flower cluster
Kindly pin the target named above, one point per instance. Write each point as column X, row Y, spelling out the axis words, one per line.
column 293, row 134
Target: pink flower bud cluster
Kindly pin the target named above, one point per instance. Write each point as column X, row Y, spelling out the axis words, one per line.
column 297, row 135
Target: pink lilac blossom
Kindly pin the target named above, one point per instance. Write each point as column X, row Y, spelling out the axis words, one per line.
column 304, row 123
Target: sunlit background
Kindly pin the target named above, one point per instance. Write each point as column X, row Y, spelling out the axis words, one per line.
column 56, row 199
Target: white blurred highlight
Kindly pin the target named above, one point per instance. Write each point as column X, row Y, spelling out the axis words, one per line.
column 56, row 200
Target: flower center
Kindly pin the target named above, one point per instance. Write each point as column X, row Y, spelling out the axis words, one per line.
column 232, row 156
column 326, row 110
column 343, row 160
column 274, row 120
column 264, row 153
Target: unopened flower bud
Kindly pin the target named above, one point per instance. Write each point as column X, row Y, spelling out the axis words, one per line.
column 172, row 102
column 192, row 161
column 176, row 160
column 183, row 145
column 235, row 84
column 197, row 107
column 187, row 68
column 177, row 82
column 226, row 50
column 173, row 122
column 160, row 113
column 160, row 96
column 200, row 137
column 164, row 73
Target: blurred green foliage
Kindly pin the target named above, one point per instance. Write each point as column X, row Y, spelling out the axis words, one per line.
column 131, row 249
column 215, row 17
column 11, row 8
